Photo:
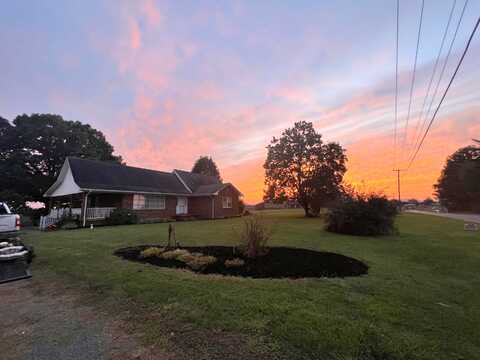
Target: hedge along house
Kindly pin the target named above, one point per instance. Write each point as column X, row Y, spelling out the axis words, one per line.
column 92, row 189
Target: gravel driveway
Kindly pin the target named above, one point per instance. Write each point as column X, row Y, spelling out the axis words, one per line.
column 44, row 320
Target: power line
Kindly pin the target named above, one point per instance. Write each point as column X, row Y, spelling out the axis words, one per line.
column 418, row 129
column 445, row 92
column 446, row 60
column 396, row 89
column 413, row 76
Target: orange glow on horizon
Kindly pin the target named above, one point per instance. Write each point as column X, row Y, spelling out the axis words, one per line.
column 370, row 165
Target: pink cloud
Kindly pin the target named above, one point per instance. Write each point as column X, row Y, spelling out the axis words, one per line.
column 168, row 124
column 151, row 12
column 292, row 94
column 134, row 35
column 208, row 91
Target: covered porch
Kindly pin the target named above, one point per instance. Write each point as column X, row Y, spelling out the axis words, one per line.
column 83, row 207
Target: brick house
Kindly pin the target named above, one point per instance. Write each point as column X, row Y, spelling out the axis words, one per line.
column 92, row 189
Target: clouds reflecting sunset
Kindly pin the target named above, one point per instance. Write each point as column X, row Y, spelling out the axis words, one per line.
column 169, row 81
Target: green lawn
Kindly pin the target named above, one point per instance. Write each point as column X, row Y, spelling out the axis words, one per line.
column 421, row 298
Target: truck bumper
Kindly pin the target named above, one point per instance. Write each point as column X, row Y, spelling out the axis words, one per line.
column 9, row 234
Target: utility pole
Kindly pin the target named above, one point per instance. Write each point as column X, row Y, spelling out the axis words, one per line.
column 398, row 184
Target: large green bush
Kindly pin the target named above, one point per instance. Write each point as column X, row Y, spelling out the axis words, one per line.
column 361, row 214
column 122, row 217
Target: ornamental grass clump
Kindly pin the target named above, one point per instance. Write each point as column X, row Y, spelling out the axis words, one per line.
column 254, row 236
column 186, row 258
column 174, row 254
column 151, row 252
column 201, row 262
column 234, row 263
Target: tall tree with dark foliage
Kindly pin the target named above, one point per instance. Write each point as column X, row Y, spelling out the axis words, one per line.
column 301, row 167
column 34, row 147
column 458, row 187
column 206, row 166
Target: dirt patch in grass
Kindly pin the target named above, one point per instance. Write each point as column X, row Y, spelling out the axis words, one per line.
column 277, row 262
column 47, row 318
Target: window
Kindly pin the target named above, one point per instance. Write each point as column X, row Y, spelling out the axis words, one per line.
column 154, row 202
column 227, row 202
column 148, row 202
column 138, row 201
column 3, row 209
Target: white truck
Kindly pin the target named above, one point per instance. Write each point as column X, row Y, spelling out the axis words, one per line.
column 9, row 223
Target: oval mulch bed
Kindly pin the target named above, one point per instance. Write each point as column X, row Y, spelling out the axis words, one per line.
column 278, row 262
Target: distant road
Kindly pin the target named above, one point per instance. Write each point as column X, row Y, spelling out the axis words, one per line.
column 464, row 217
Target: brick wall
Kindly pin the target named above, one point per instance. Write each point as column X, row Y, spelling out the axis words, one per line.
column 200, row 207
column 127, row 201
column 220, row 212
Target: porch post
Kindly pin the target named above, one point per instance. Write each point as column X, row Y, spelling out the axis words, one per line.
column 213, row 207
column 84, row 208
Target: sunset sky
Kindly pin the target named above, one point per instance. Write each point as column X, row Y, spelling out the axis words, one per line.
column 168, row 81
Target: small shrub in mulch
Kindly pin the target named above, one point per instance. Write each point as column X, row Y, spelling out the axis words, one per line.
column 174, row 254
column 276, row 262
column 199, row 263
column 152, row 251
column 234, row 263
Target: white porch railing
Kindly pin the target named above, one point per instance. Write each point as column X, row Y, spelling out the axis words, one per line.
column 62, row 212
column 95, row 213
column 99, row 212
column 46, row 221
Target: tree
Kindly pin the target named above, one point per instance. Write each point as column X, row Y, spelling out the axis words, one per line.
column 206, row 166
column 458, row 187
column 428, row 202
column 33, row 149
column 300, row 167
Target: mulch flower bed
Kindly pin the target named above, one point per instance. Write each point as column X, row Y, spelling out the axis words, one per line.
column 276, row 262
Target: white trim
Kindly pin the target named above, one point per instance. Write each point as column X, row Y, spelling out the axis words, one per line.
column 183, row 182
column 225, row 186
column 185, row 207
column 227, row 202
column 149, row 192
column 85, row 202
column 132, row 192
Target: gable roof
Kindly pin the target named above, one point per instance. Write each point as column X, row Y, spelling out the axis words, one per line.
column 193, row 181
column 95, row 175
column 104, row 175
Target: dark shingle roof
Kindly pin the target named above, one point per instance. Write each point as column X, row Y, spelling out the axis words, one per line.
column 102, row 175
column 195, row 181
column 208, row 189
